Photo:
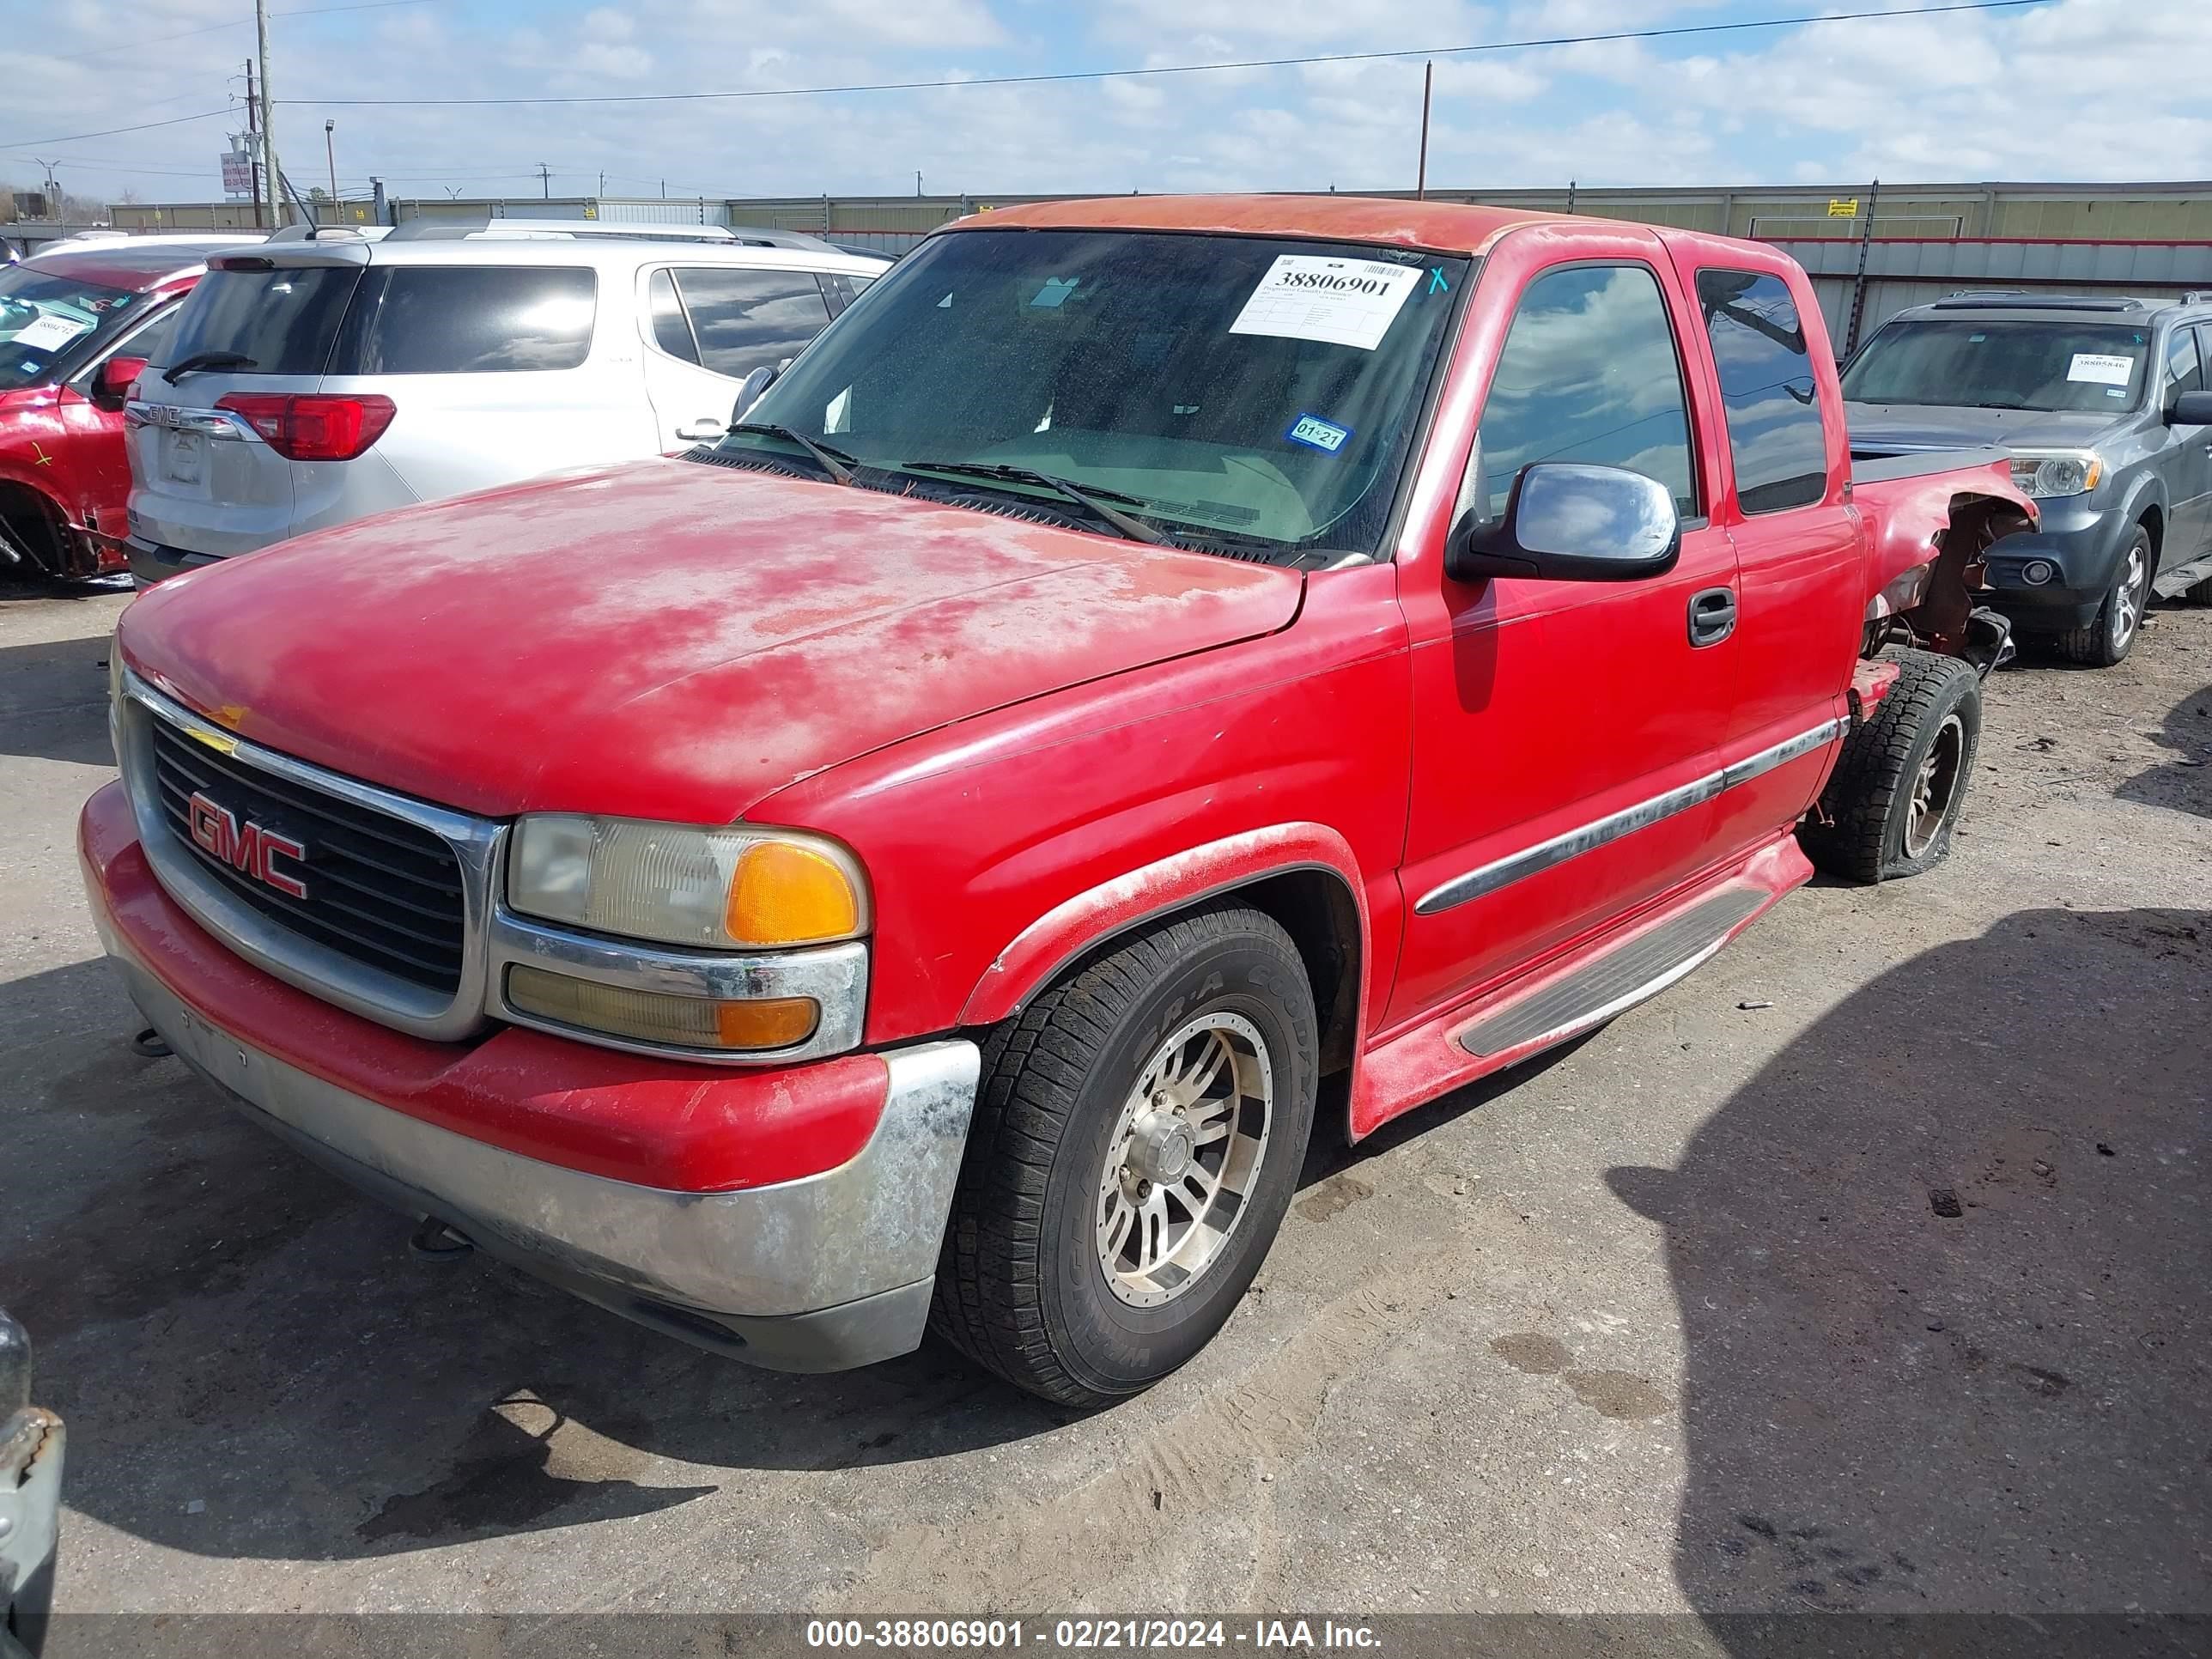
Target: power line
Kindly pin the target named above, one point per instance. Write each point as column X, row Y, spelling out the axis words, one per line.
column 107, row 132
column 1671, row 32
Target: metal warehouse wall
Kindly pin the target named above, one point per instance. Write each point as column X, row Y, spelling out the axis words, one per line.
column 1918, row 241
column 2177, row 212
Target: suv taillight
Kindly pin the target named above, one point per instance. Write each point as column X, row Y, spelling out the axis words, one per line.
column 313, row 426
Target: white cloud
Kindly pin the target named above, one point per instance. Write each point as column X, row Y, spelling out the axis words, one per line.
column 2076, row 89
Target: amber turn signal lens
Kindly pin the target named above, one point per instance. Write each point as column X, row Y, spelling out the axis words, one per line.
column 776, row 1022
column 787, row 893
column 655, row 1017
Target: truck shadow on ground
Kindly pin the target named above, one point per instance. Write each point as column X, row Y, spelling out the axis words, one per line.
column 1941, row 1268
column 2184, row 783
column 251, row 1364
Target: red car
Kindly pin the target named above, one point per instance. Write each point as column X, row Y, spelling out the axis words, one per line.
column 1155, row 681
column 75, row 329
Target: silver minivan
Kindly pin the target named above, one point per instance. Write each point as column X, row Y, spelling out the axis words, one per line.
column 311, row 383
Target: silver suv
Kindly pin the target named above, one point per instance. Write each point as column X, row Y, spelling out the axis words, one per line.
column 310, row 383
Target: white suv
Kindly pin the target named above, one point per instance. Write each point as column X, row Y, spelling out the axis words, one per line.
column 309, row 383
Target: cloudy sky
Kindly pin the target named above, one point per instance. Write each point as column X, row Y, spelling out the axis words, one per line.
column 2061, row 89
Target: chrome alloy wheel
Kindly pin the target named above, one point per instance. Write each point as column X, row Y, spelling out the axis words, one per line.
column 1935, row 787
column 1183, row 1158
column 2129, row 598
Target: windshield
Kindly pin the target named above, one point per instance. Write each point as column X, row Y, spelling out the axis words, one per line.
column 1998, row 365
column 44, row 319
column 1238, row 394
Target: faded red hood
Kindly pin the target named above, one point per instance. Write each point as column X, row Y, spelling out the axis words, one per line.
column 666, row 640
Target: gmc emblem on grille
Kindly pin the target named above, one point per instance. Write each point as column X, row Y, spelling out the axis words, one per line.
column 248, row 849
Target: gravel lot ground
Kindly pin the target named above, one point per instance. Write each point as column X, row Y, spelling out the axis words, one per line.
column 1666, row 1322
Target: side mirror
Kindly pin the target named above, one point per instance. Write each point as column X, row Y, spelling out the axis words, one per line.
column 2191, row 409
column 750, row 390
column 110, row 385
column 1565, row 522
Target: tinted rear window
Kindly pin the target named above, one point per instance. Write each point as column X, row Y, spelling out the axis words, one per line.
column 281, row 321
column 467, row 319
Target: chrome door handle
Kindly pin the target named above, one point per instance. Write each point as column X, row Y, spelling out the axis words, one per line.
column 705, row 429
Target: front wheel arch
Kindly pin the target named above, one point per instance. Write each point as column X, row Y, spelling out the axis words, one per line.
column 1307, row 887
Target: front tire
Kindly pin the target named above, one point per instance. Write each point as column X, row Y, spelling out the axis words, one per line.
column 1893, row 800
column 1138, row 1133
column 2106, row 641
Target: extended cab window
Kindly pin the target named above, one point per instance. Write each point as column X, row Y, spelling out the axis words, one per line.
column 749, row 319
column 467, row 319
column 1767, row 388
column 1588, row 374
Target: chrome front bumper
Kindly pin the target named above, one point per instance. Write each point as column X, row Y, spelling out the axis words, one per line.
column 822, row 1274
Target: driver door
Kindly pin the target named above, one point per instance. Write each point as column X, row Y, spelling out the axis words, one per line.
column 1558, row 723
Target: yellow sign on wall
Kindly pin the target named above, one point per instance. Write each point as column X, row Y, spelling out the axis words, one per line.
column 1840, row 208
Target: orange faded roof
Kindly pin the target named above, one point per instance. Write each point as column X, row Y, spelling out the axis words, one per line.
column 1454, row 227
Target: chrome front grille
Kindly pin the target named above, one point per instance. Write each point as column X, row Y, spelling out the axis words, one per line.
column 382, row 891
column 395, row 912
column 400, row 922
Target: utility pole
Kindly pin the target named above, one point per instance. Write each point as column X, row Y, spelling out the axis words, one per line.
column 254, row 143
column 603, row 181
column 330, row 155
column 268, row 117
column 1421, row 179
column 545, row 180
column 51, row 188
column 917, row 181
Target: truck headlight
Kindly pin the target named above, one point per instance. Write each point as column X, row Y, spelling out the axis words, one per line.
column 2046, row 473
column 732, row 888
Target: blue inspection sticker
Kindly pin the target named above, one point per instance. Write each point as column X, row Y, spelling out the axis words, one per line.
column 1314, row 433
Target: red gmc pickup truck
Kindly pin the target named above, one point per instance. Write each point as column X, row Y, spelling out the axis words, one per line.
column 1155, row 681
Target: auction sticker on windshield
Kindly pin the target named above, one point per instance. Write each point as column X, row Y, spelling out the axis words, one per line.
column 2099, row 369
column 1305, row 296
column 50, row 333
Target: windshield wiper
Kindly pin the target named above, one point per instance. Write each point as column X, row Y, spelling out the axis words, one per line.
column 1091, row 498
column 207, row 360
column 835, row 462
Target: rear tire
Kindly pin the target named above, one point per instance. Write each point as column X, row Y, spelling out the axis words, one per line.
column 2199, row 592
column 1054, row 1273
column 2106, row 641
column 1893, row 799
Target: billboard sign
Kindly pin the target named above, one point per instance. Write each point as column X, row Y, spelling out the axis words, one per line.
column 238, row 173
